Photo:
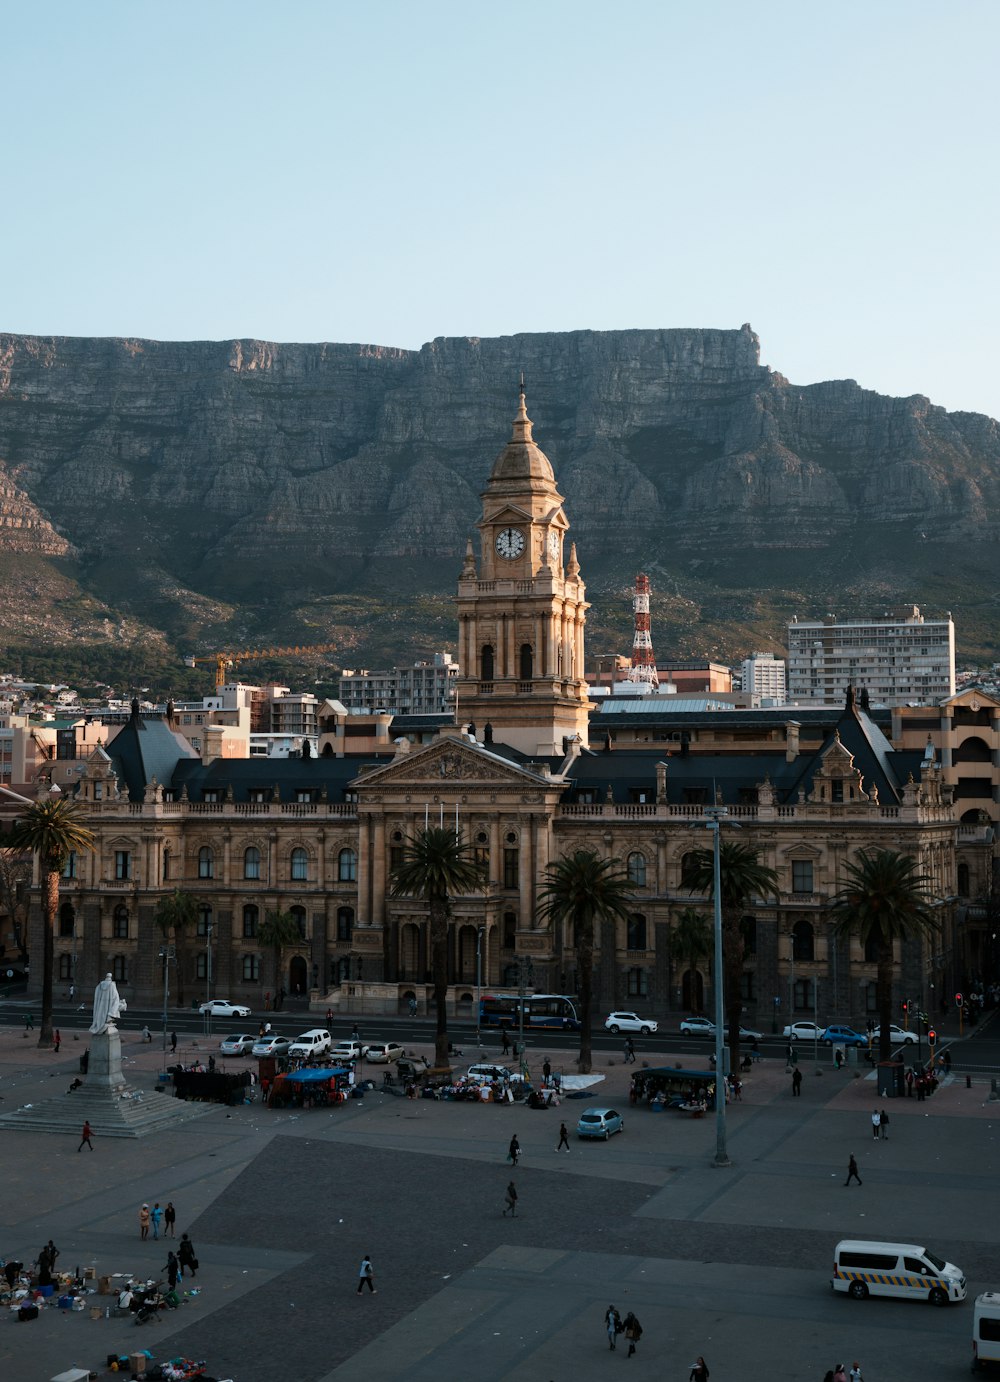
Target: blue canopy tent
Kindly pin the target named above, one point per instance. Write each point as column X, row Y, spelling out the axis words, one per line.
column 316, row 1074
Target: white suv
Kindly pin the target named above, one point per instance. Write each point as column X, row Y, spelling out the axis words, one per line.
column 311, row 1043
column 629, row 1022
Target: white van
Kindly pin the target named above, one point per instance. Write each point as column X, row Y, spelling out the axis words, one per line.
column 986, row 1330
column 905, row 1270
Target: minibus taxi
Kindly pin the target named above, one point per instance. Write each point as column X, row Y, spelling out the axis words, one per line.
column 905, row 1270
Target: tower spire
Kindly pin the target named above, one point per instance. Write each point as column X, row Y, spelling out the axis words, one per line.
column 522, row 423
column 643, row 669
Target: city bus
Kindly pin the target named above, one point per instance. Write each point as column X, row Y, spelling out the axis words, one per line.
column 540, row 1010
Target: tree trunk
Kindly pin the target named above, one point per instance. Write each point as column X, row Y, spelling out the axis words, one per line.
column 585, row 959
column 50, row 911
column 732, row 964
column 439, row 974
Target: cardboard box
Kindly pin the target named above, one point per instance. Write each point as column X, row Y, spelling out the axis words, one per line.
column 137, row 1362
column 96, row 1312
column 104, row 1287
column 89, row 1274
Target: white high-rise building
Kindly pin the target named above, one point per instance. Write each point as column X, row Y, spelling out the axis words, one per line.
column 420, row 689
column 764, row 676
column 901, row 659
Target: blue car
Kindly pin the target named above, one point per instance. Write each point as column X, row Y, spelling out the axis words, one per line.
column 599, row 1122
column 843, row 1036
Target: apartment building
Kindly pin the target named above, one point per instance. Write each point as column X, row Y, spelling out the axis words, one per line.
column 421, row 688
column 900, row 659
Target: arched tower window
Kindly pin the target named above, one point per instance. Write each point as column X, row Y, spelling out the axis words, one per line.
column 486, row 662
column 637, row 870
column 525, row 662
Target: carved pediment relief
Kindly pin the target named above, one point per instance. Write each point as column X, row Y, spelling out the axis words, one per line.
column 448, row 761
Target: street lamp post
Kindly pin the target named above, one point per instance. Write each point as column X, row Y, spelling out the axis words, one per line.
column 715, row 815
column 167, row 954
column 479, row 983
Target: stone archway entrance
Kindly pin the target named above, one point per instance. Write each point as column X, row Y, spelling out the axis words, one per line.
column 693, row 991
column 298, row 976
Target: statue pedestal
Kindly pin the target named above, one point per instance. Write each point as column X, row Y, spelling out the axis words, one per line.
column 104, row 1071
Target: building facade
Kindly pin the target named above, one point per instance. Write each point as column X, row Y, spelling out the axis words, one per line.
column 899, row 660
column 422, row 688
column 764, row 678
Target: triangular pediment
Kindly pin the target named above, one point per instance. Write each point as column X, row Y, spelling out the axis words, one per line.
column 509, row 513
column 447, row 761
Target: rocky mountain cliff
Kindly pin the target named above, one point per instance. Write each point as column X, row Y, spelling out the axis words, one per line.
column 204, row 492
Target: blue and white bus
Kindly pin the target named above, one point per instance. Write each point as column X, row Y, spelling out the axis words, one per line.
column 540, row 1010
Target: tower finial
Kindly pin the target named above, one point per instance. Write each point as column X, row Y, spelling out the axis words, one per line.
column 522, row 423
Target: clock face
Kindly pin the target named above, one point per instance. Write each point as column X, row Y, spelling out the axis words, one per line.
column 554, row 544
column 510, row 542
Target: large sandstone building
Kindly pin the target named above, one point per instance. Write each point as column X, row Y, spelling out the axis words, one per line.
column 528, row 773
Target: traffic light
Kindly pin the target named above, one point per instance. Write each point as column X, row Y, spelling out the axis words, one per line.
column 931, row 1038
column 958, row 1000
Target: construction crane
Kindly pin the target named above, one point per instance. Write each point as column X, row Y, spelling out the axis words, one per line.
column 223, row 661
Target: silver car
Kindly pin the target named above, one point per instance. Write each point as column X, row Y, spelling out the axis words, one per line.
column 238, row 1045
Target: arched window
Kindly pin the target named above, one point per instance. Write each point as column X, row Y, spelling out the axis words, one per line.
column 509, row 934
column 299, row 917
column 963, row 880
column 396, row 851
column 166, row 864
column 251, row 920
column 973, row 750
column 688, row 862
column 635, row 929
column 347, row 866
column 67, row 920
column 300, row 865
column 206, row 863
column 345, row 923
column 482, row 852
column 637, row 870
column 486, row 663
column 525, row 662
column 803, row 941
column 119, row 923
column 251, row 863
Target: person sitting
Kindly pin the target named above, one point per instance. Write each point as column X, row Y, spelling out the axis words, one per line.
column 77, row 1084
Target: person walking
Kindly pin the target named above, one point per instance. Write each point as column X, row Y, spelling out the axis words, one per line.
column 883, row 1122
column 876, row 1124
column 147, row 1035
column 852, row 1170
column 155, row 1218
column 186, row 1256
column 56, row 1041
column 629, row 1051
column 510, row 1201
column 172, row 1269
column 563, row 1138
column 839, row 1375
column 699, row 1370
column 366, row 1275
column 85, row 1136
column 613, row 1324
column 144, row 1222
column 797, row 1083
column 52, row 1252
column 506, row 1039
column 29, row 1022
column 169, row 1219
column 514, row 1150
column 855, row 1373
column 173, row 1043
column 633, row 1332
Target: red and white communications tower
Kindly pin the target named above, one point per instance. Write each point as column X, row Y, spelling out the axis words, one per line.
column 643, row 669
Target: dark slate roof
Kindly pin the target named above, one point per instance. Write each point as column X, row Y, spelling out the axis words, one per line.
column 331, row 776
column 674, row 717
column 146, row 747
column 880, row 765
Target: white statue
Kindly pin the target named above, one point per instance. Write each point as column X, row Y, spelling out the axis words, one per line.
column 108, row 1005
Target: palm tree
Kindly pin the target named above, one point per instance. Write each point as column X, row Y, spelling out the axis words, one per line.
column 691, row 939
column 278, row 930
column 175, row 916
column 884, row 899
column 436, row 865
column 582, row 889
column 53, row 829
column 741, row 877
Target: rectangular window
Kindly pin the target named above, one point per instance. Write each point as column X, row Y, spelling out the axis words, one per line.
column 119, row 925
column 123, row 864
column 204, row 921
column 201, row 965
column 251, row 968
column 638, row 983
column 119, row 969
column 70, row 870
column 65, row 969
column 802, row 876
column 510, row 870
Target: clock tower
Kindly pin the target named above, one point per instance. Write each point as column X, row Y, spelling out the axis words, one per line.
column 521, row 615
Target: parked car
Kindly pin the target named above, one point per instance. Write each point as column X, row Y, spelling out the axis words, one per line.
column 238, row 1045
column 749, row 1034
column 488, row 1072
column 348, row 1050
column 221, row 1007
column 599, row 1122
column 384, row 1052
column 629, row 1022
column 311, row 1043
column 843, row 1036
column 271, row 1046
column 803, row 1031
column 897, row 1035
column 697, row 1026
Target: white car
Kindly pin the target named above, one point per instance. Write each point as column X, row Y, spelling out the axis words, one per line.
column 384, row 1052
column 311, row 1043
column 629, row 1022
column 487, row 1074
column 803, row 1031
column 221, row 1007
column 697, row 1026
column 348, row 1050
column 897, row 1036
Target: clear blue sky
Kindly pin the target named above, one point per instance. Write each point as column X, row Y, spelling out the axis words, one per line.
column 389, row 172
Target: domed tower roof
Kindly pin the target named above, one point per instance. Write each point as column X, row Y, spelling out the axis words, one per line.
column 522, row 460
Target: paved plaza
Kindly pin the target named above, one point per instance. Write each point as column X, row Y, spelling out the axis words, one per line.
column 733, row 1264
